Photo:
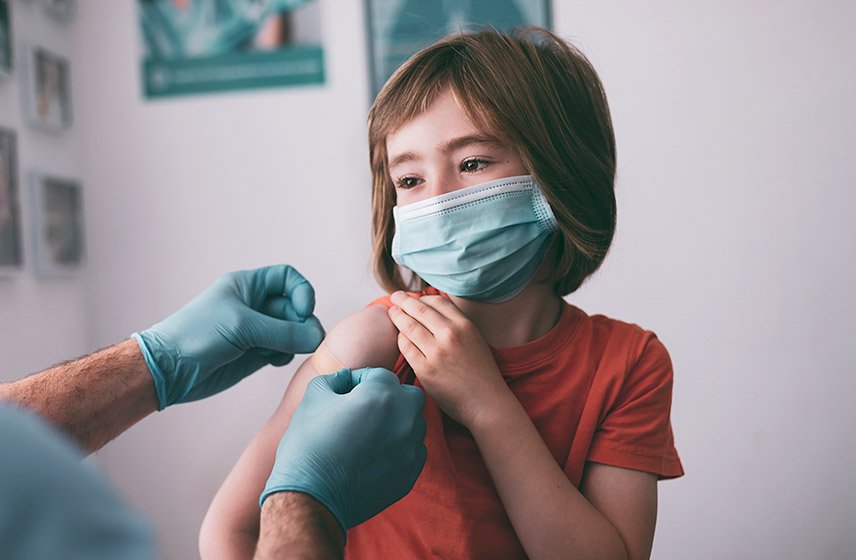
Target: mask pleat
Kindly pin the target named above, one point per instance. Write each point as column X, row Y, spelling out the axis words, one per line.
column 485, row 248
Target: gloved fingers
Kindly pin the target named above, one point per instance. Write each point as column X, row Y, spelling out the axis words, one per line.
column 279, row 280
column 283, row 336
column 340, row 382
column 416, row 396
column 279, row 359
column 374, row 375
column 409, row 463
column 301, row 292
column 419, row 430
column 280, row 307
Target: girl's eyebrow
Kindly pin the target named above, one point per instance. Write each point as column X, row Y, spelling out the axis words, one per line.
column 464, row 141
column 403, row 158
column 447, row 148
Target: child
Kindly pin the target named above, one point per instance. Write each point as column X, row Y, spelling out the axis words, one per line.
column 493, row 164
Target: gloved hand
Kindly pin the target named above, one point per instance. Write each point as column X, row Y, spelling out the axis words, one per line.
column 244, row 321
column 354, row 444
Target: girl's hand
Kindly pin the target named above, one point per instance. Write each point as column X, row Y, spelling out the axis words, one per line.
column 449, row 356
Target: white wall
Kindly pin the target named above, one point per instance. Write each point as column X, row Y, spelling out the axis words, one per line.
column 736, row 133
column 735, row 126
column 42, row 320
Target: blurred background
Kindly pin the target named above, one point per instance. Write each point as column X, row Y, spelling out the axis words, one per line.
column 736, row 134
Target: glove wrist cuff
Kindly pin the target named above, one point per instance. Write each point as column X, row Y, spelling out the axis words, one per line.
column 157, row 375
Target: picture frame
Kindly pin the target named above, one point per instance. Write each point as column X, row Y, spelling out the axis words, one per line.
column 398, row 29
column 59, row 233
column 208, row 47
column 62, row 10
column 6, row 57
column 48, row 92
column 11, row 238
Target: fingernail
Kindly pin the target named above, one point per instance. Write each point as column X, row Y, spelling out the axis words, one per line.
column 397, row 296
column 393, row 309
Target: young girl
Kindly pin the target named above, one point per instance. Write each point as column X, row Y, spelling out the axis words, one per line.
column 493, row 164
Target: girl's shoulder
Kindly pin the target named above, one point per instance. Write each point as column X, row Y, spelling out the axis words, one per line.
column 608, row 336
column 366, row 338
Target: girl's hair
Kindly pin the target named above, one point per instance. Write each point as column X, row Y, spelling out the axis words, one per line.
column 541, row 97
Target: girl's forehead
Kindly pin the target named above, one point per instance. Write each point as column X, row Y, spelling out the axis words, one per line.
column 444, row 119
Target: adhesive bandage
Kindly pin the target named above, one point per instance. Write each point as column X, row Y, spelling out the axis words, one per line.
column 324, row 361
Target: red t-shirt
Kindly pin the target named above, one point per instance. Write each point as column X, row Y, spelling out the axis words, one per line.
column 596, row 389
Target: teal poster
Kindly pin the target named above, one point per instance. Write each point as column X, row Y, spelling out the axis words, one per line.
column 5, row 38
column 397, row 29
column 205, row 46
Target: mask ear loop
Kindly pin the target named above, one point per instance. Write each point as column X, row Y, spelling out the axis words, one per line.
column 324, row 361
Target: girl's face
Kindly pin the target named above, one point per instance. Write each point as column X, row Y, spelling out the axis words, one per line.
column 441, row 150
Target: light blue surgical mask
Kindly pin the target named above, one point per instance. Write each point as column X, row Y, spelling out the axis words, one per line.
column 483, row 242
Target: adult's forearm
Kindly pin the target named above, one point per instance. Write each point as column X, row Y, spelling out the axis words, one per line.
column 297, row 526
column 93, row 399
column 551, row 517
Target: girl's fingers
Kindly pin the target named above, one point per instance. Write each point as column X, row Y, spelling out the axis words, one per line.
column 444, row 307
column 411, row 352
column 412, row 328
column 425, row 314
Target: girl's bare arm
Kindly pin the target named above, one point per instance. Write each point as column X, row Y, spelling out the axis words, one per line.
column 612, row 515
column 231, row 526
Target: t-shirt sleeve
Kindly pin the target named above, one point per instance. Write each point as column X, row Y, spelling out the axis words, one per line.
column 387, row 302
column 383, row 300
column 636, row 432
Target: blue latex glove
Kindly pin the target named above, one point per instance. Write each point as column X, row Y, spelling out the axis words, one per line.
column 244, row 321
column 354, row 444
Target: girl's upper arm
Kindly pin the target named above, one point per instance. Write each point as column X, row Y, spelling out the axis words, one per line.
column 230, row 529
column 628, row 499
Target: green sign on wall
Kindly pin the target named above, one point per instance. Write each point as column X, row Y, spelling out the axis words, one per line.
column 202, row 46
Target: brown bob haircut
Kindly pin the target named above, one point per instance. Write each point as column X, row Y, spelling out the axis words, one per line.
column 541, row 97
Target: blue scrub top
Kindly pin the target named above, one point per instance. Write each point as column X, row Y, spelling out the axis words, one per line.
column 54, row 506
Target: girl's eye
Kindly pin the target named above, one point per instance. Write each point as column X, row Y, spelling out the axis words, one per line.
column 473, row 165
column 407, row 182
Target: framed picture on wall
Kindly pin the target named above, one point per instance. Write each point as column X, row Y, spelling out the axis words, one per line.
column 194, row 47
column 5, row 38
column 398, row 29
column 11, row 243
column 58, row 222
column 48, row 89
